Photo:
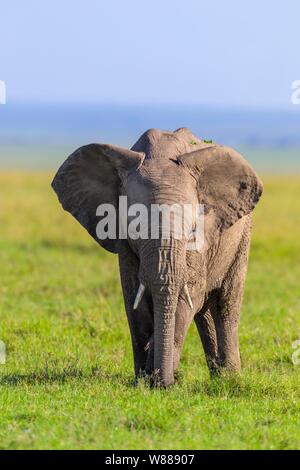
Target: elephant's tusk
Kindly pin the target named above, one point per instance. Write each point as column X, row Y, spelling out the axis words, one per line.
column 139, row 296
column 188, row 297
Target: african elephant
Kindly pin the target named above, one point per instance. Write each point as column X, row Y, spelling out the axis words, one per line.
column 165, row 285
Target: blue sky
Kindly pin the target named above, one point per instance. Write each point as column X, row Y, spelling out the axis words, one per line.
column 215, row 52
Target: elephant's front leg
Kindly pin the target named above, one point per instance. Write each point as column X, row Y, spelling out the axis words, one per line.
column 207, row 332
column 140, row 320
column 184, row 317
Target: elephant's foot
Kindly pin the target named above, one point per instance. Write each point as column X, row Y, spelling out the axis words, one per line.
column 152, row 379
column 226, row 367
column 158, row 382
column 213, row 366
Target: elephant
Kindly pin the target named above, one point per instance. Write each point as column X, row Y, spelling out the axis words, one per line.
column 166, row 285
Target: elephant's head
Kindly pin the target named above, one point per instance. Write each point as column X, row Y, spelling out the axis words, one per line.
column 162, row 168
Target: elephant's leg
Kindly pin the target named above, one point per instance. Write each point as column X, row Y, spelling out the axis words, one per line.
column 228, row 314
column 149, row 369
column 207, row 332
column 140, row 320
column 184, row 317
column 227, row 334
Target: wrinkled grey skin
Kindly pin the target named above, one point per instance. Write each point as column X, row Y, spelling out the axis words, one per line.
column 172, row 167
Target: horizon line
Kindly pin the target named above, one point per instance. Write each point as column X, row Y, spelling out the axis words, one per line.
column 153, row 105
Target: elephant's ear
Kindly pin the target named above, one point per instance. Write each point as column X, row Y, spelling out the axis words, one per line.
column 227, row 186
column 90, row 177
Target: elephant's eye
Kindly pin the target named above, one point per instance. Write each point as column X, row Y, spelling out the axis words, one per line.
column 243, row 185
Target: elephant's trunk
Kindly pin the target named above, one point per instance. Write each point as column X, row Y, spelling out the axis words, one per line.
column 164, row 302
column 166, row 280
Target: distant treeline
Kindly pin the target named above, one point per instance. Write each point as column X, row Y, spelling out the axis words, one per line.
column 123, row 124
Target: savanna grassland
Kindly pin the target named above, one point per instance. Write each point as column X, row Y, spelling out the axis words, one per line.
column 68, row 382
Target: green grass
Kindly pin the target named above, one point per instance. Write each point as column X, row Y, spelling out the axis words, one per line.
column 68, row 380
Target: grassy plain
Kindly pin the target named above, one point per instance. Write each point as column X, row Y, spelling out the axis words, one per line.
column 68, row 382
